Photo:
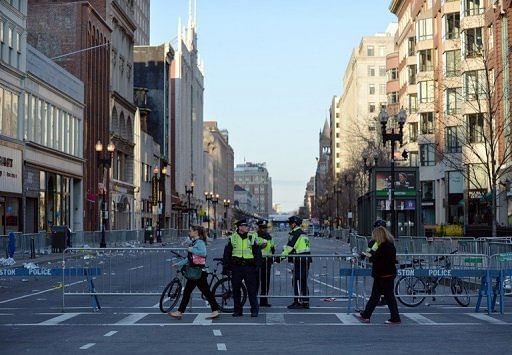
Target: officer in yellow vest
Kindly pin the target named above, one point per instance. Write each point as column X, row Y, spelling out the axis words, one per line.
column 298, row 244
column 267, row 250
column 242, row 254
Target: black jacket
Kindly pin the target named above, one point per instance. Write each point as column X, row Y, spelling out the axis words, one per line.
column 230, row 260
column 384, row 260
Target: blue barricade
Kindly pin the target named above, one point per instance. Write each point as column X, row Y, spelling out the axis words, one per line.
column 41, row 271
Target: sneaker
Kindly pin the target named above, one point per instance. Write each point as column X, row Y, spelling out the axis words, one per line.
column 305, row 305
column 295, row 305
column 254, row 314
column 176, row 315
column 361, row 318
column 237, row 314
column 389, row 321
column 265, row 305
column 213, row 315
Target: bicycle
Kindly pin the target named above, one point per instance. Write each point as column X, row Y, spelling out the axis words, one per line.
column 172, row 292
column 222, row 289
column 411, row 291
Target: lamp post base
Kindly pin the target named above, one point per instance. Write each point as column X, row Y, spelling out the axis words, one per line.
column 103, row 243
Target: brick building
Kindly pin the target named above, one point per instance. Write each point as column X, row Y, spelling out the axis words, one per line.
column 78, row 26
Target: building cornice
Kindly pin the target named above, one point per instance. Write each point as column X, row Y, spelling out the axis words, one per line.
column 395, row 6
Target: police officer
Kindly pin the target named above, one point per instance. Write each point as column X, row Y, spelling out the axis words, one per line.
column 298, row 244
column 241, row 254
column 267, row 250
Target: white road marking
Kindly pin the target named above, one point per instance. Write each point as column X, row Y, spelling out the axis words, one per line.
column 348, row 319
column 155, row 306
column 109, row 334
column 87, row 346
column 217, row 333
column 132, row 319
column 323, row 283
column 38, row 293
column 59, row 319
column 201, row 319
column 221, row 347
column 419, row 318
column 486, row 318
column 275, row 318
column 136, row 268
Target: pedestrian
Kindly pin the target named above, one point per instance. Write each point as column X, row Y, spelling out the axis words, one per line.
column 298, row 244
column 197, row 258
column 383, row 259
column 267, row 252
column 242, row 255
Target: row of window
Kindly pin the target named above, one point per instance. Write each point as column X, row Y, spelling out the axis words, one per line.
column 371, row 70
column 10, row 44
column 370, row 51
column 8, row 113
column 382, row 89
column 52, row 127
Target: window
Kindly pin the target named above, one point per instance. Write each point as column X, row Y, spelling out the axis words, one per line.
column 2, row 32
column 413, row 159
column 382, row 89
column 475, row 127
column 474, row 84
column 451, row 140
column 490, row 32
column 371, row 89
column 1, row 108
column 337, row 145
column 473, row 7
column 413, row 103
column 425, row 60
column 393, row 74
column 424, row 29
column 382, row 71
column 452, row 63
column 382, row 51
column 413, row 131
column 393, row 98
column 427, row 122
column 427, row 190
column 473, row 42
column 9, row 38
column 427, row 154
column 452, row 25
column 370, row 51
column 371, row 71
column 337, row 125
column 411, row 71
column 426, row 91
column 453, row 100
column 411, row 46
column 371, row 107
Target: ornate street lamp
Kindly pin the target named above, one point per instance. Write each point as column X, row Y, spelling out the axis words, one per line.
column 104, row 162
column 215, row 201
column 208, row 196
column 393, row 138
column 158, row 189
column 189, row 190
column 226, row 207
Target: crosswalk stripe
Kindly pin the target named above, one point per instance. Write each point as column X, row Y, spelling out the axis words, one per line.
column 87, row 346
column 275, row 318
column 59, row 319
column 348, row 319
column 418, row 318
column 486, row 318
column 201, row 319
column 132, row 319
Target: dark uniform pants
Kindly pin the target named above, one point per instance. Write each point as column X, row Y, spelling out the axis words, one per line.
column 382, row 286
column 249, row 274
column 300, row 279
column 264, row 279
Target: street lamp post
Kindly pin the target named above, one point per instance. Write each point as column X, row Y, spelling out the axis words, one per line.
column 208, row 196
column 104, row 162
column 158, row 179
column 226, row 207
column 368, row 165
column 349, row 180
column 392, row 137
column 337, row 191
column 189, row 190
column 215, row 201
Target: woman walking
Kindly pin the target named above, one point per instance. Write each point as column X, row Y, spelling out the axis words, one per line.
column 383, row 272
column 196, row 257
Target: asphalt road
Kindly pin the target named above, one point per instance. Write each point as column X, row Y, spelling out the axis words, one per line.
column 32, row 321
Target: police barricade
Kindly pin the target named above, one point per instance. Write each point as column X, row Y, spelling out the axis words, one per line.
column 500, row 278
column 463, row 277
column 124, row 271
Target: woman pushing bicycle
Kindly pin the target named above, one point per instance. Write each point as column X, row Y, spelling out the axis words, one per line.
column 196, row 259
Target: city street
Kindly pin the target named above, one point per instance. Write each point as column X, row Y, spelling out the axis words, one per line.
column 32, row 321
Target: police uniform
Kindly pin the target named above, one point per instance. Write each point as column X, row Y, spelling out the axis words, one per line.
column 266, row 265
column 241, row 255
column 298, row 244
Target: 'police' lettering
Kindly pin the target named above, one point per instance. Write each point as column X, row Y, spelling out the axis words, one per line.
column 439, row 272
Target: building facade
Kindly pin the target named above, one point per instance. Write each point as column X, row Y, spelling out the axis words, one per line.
column 142, row 21
column 255, row 178
column 12, row 73
column 80, row 28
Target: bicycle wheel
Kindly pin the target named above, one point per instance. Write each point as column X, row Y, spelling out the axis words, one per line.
column 170, row 296
column 459, row 288
column 223, row 293
column 412, row 291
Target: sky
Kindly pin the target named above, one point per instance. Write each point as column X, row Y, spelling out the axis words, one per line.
column 271, row 70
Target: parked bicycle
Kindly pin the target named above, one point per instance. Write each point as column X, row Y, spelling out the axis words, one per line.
column 222, row 289
column 411, row 291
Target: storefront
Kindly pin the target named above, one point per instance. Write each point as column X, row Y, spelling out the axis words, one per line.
column 11, row 188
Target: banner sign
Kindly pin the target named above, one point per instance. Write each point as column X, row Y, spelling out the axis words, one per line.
column 22, row 271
